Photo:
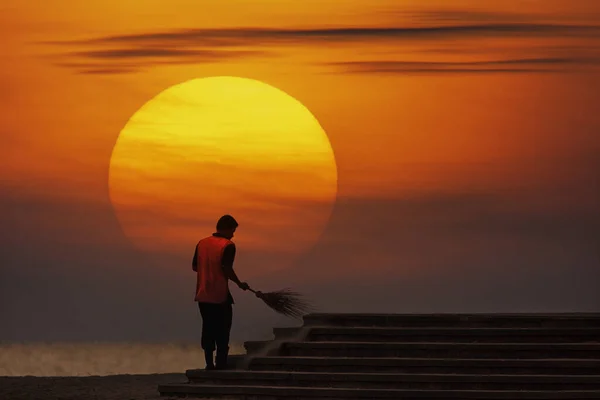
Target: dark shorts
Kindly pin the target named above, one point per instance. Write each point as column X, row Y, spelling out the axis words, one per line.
column 216, row 325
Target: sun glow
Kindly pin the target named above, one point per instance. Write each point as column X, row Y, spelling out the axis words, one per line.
column 220, row 145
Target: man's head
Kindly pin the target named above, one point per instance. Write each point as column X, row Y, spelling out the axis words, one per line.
column 226, row 226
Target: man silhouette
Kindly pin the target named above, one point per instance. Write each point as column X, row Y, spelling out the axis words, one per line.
column 213, row 264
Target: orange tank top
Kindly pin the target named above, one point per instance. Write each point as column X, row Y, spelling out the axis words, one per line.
column 212, row 286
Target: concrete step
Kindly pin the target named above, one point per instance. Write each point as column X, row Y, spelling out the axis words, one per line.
column 435, row 349
column 300, row 393
column 540, row 366
column 397, row 381
column 237, row 361
column 443, row 334
column 263, row 348
column 423, row 349
column 566, row 320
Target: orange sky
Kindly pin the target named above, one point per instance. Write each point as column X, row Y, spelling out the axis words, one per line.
column 436, row 101
column 59, row 114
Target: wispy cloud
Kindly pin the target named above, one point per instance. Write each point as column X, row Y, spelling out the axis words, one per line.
column 114, row 61
column 172, row 55
column 142, row 53
column 505, row 66
column 267, row 36
column 194, row 46
column 460, row 16
column 107, row 71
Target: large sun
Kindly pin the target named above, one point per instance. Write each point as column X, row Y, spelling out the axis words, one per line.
column 223, row 145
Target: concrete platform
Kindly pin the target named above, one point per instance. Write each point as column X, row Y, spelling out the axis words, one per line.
column 414, row 356
column 427, row 365
column 566, row 320
column 299, row 393
column 393, row 380
column 449, row 350
column 442, row 334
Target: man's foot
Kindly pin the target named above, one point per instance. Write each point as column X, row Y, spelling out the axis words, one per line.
column 209, row 360
column 210, row 368
column 221, row 359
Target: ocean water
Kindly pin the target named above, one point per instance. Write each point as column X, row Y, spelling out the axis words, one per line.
column 100, row 359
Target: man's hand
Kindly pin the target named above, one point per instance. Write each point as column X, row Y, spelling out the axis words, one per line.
column 243, row 286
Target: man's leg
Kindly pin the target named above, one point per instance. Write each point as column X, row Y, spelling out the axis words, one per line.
column 209, row 331
column 222, row 339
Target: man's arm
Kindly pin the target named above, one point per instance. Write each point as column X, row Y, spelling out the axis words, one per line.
column 195, row 260
column 227, row 261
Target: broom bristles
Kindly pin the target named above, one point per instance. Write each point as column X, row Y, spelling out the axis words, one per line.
column 287, row 302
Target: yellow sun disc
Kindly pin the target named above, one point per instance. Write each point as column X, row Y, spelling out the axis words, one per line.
column 223, row 145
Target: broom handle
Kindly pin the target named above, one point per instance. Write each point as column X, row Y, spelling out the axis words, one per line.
column 253, row 291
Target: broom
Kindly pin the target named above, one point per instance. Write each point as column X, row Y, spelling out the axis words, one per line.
column 286, row 302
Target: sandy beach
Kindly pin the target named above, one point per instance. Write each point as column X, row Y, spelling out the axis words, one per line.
column 115, row 387
column 94, row 371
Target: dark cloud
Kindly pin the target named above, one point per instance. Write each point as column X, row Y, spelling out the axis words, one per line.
column 172, row 54
column 452, row 252
column 473, row 16
column 107, row 71
column 267, row 36
column 193, row 46
column 518, row 249
column 486, row 250
column 423, row 220
column 504, row 66
column 496, row 227
column 141, row 53
column 67, row 273
column 120, row 61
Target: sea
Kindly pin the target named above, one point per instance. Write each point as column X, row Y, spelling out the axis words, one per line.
column 100, row 359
